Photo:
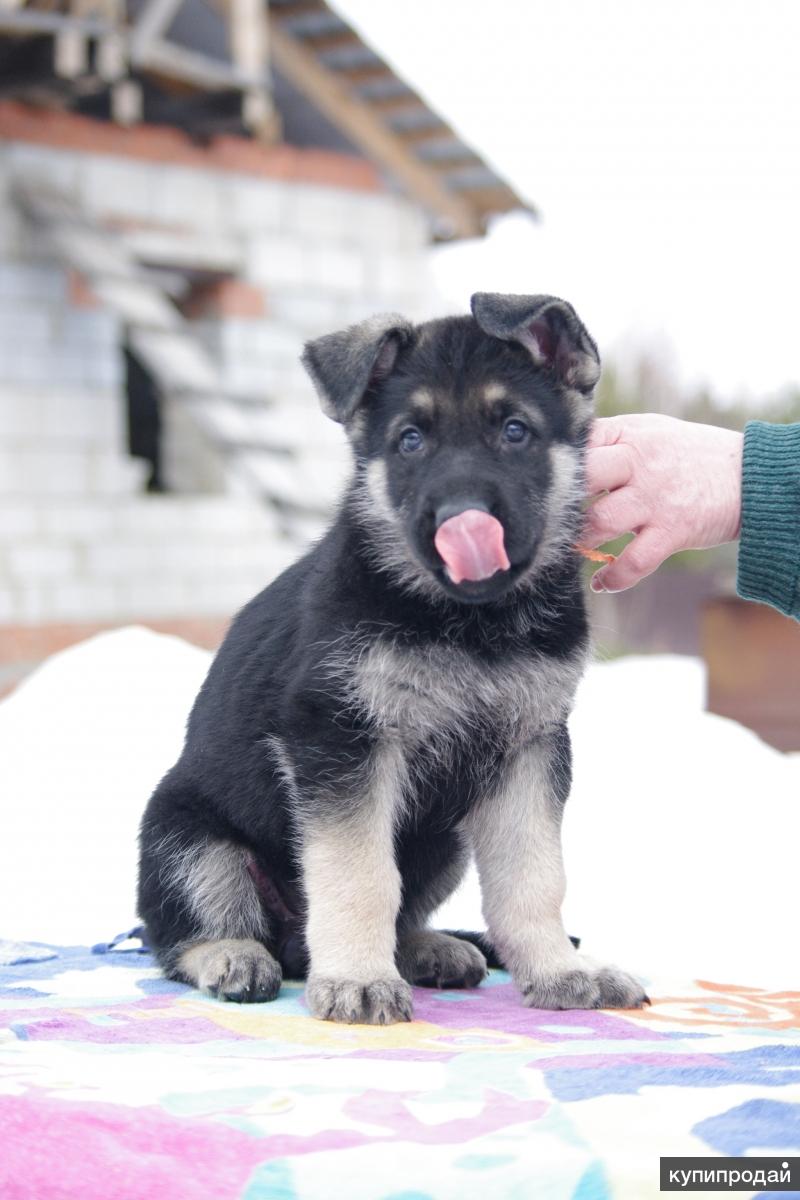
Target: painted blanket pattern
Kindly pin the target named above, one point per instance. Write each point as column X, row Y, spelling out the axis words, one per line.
column 118, row 1085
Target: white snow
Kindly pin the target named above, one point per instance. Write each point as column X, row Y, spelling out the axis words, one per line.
column 681, row 834
column 83, row 742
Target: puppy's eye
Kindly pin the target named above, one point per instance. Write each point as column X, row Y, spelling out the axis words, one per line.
column 410, row 440
column 515, row 431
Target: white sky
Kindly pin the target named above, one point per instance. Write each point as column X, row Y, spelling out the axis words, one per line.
column 661, row 142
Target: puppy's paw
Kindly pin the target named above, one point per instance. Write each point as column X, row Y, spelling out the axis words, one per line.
column 584, row 987
column 232, row 969
column 382, row 1002
column 432, row 959
column 618, row 989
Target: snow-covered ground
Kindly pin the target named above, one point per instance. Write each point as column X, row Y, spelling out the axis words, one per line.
column 681, row 834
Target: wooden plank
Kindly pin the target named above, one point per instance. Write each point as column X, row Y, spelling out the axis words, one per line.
column 365, row 129
column 32, row 20
column 459, row 162
column 427, row 133
column 320, row 42
column 300, row 8
column 126, row 102
column 390, row 105
column 368, row 74
column 248, row 34
column 70, row 54
column 150, row 25
column 110, row 58
column 496, row 200
column 176, row 62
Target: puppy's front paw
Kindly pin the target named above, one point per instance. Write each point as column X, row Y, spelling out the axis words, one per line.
column 382, row 1002
column 584, row 987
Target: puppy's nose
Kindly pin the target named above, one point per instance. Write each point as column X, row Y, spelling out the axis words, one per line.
column 453, row 507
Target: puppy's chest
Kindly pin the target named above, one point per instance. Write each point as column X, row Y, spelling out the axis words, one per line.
column 442, row 692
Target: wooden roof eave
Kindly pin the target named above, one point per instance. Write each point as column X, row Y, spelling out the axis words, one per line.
column 366, row 130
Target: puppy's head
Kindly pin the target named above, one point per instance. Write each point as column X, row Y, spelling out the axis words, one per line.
column 468, row 434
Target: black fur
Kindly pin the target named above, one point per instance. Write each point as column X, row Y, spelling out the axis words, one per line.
column 376, row 576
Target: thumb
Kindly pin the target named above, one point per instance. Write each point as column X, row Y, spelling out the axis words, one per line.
column 606, row 431
column 639, row 559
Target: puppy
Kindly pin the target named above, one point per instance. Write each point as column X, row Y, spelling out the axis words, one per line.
column 397, row 700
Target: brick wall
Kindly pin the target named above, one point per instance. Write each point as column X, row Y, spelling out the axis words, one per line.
column 311, row 241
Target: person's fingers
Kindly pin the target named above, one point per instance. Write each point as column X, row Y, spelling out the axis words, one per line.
column 606, row 431
column 607, row 468
column 640, row 558
column 611, row 516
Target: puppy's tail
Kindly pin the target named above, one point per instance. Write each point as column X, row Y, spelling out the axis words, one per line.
column 481, row 940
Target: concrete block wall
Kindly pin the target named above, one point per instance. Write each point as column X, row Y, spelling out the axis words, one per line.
column 79, row 541
column 140, row 556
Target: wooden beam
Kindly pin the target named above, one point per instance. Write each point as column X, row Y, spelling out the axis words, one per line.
column 248, row 44
column 427, row 133
column 126, row 102
column 368, row 74
column 247, row 35
column 359, row 123
column 70, row 54
column 406, row 102
column 150, row 26
column 32, row 20
column 459, row 162
column 176, row 62
column 331, row 41
column 488, row 200
column 302, row 8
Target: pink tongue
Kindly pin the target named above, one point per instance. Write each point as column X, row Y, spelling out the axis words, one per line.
column 471, row 544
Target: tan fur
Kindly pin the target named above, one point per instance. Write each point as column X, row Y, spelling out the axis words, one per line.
column 517, row 842
column 229, row 966
column 351, row 880
column 414, row 692
column 423, row 403
column 566, row 491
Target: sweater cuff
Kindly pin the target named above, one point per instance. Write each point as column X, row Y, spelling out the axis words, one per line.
column 769, row 547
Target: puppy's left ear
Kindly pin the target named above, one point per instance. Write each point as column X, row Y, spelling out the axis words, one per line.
column 344, row 365
column 548, row 328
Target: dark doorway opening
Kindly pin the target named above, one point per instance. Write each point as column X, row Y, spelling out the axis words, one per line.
column 144, row 419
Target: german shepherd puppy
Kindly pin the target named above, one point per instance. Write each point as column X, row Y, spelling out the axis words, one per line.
column 397, row 700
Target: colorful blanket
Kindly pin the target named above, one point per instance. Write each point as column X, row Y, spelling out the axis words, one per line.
column 118, row 1085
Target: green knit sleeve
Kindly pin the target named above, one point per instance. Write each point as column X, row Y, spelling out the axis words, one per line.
column 769, row 547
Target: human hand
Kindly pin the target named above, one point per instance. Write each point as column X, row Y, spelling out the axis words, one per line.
column 676, row 485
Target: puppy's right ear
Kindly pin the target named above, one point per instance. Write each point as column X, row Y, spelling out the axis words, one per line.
column 343, row 366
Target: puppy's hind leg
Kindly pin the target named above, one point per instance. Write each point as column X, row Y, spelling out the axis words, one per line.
column 432, row 869
column 204, row 916
column 240, row 969
column 430, row 958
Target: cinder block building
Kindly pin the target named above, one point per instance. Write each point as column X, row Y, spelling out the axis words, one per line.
column 186, row 194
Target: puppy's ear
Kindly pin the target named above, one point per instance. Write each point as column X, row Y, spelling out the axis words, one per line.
column 344, row 365
column 548, row 328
